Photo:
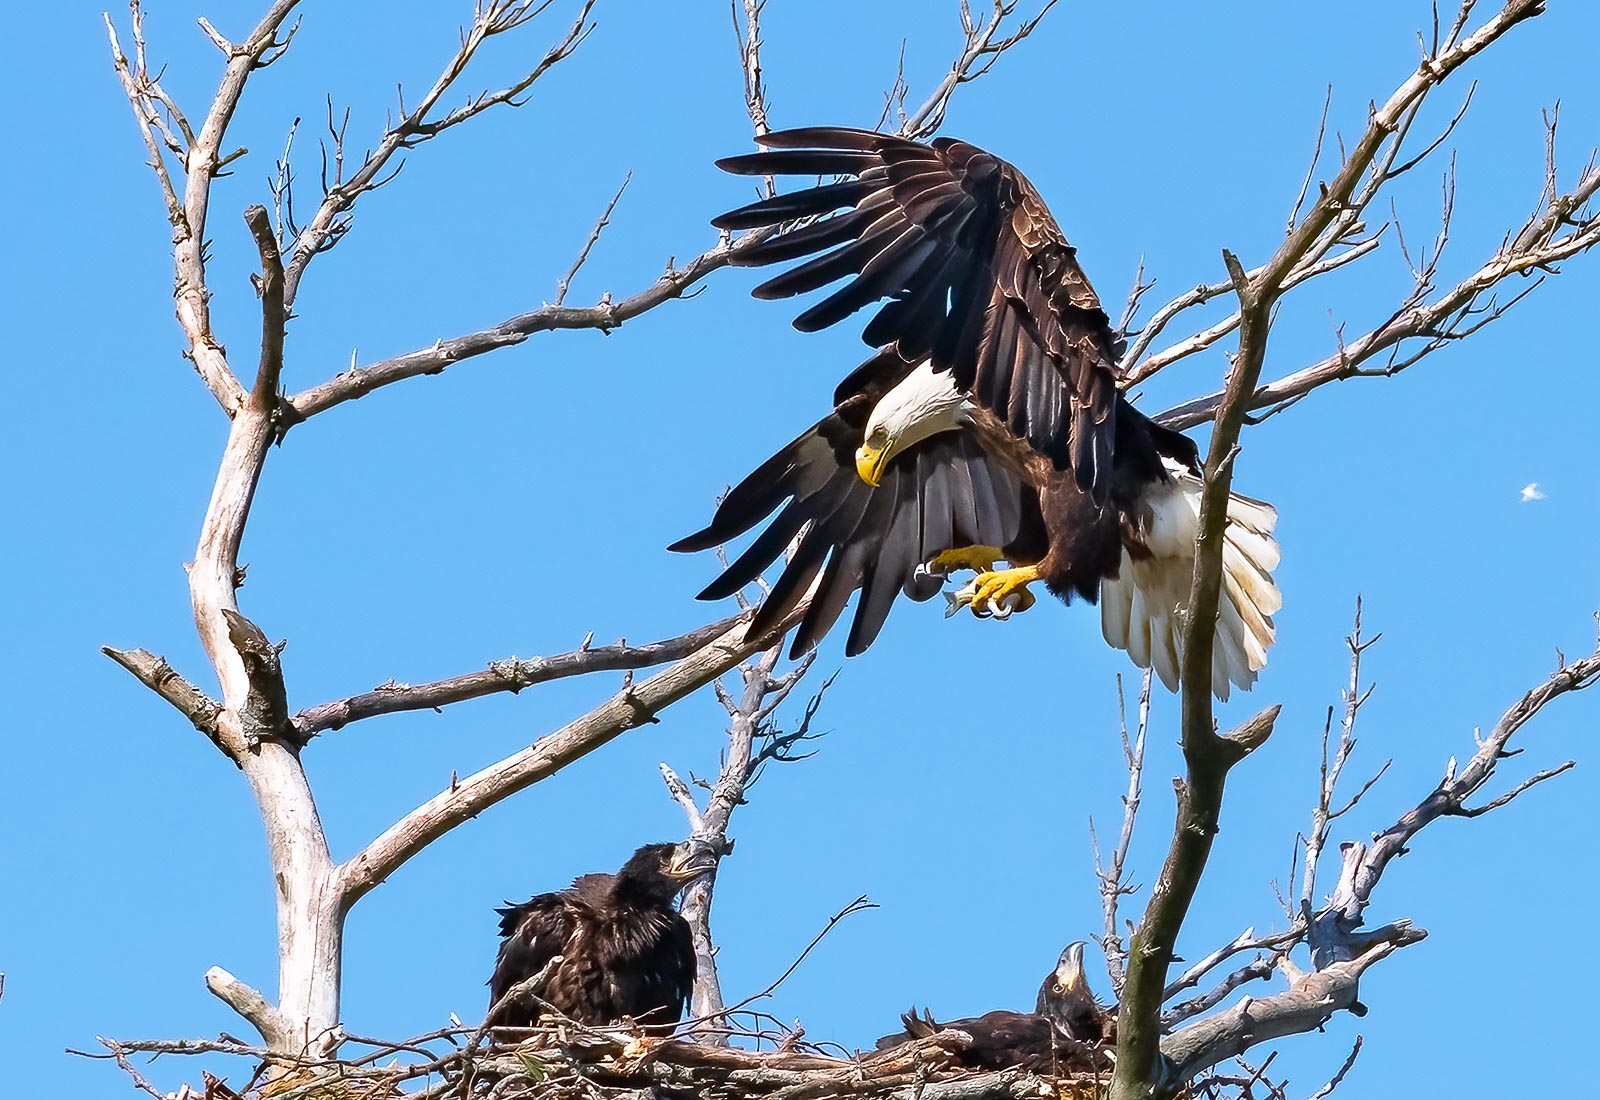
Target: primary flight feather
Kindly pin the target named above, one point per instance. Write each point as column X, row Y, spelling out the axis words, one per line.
column 989, row 426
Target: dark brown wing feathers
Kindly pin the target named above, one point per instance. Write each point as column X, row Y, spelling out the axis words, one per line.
column 976, row 273
column 946, row 492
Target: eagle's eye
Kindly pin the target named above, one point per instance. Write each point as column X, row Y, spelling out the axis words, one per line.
column 878, row 437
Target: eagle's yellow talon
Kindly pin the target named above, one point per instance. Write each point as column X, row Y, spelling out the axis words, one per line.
column 979, row 559
column 991, row 588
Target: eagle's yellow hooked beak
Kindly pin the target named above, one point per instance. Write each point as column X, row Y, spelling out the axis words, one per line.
column 870, row 462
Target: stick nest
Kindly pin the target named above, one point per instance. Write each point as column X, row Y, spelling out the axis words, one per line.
column 558, row 1063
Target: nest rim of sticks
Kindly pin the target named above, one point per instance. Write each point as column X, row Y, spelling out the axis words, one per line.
column 577, row 1062
column 926, row 1068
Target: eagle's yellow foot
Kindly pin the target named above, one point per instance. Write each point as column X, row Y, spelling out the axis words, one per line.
column 998, row 593
column 993, row 587
column 979, row 559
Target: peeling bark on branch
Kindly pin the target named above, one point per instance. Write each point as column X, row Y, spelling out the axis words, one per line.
column 1310, row 1002
column 266, row 711
column 274, row 311
column 156, row 674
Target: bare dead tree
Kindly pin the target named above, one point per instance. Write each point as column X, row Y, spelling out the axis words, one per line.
column 249, row 720
column 1173, row 1030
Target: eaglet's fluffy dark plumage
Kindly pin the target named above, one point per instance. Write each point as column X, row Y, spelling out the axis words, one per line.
column 1066, row 1032
column 625, row 951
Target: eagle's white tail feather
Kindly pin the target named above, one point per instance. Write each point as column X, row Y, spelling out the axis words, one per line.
column 1164, row 648
column 1142, row 610
column 1116, row 610
column 1138, row 637
column 1257, row 515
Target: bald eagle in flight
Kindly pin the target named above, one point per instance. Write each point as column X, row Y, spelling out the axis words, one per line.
column 625, row 951
column 988, row 428
column 1063, row 1032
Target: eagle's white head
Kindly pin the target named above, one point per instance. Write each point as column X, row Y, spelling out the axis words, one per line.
column 924, row 404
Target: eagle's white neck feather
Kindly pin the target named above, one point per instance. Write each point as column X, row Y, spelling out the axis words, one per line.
column 924, row 404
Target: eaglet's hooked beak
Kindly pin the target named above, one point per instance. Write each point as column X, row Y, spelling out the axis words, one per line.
column 1069, row 968
column 688, row 861
column 870, row 462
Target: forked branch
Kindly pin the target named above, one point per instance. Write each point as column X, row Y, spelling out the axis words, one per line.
column 421, row 123
column 984, row 45
column 635, row 705
column 1341, row 949
column 1208, row 758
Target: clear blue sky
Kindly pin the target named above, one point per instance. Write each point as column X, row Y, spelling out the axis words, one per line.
column 515, row 503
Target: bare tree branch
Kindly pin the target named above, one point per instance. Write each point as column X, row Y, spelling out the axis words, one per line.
column 269, row 284
column 1337, row 1078
column 250, row 1004
column 711, row 830
column 201, row 160
column 331, row 221
column 982, row 49
column 512, row 674
column 1340, row 949
column 594, row 236
column 1112, row 886
column 1310, row 1001
column 1438, row 321
column 1205, row 292
column 635, row 705
column 978, row 55
column 156, row 674
column 141, row 91
column 1199, row 804
column 1365, row 863
column 1207, row 756
column 1343, row 229
column 755, row 88
column 605, row 315
column 1256, row 970
column 1323, row 816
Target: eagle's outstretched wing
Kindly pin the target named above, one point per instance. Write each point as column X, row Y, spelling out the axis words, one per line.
column 979, row 276
column 944, row 493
